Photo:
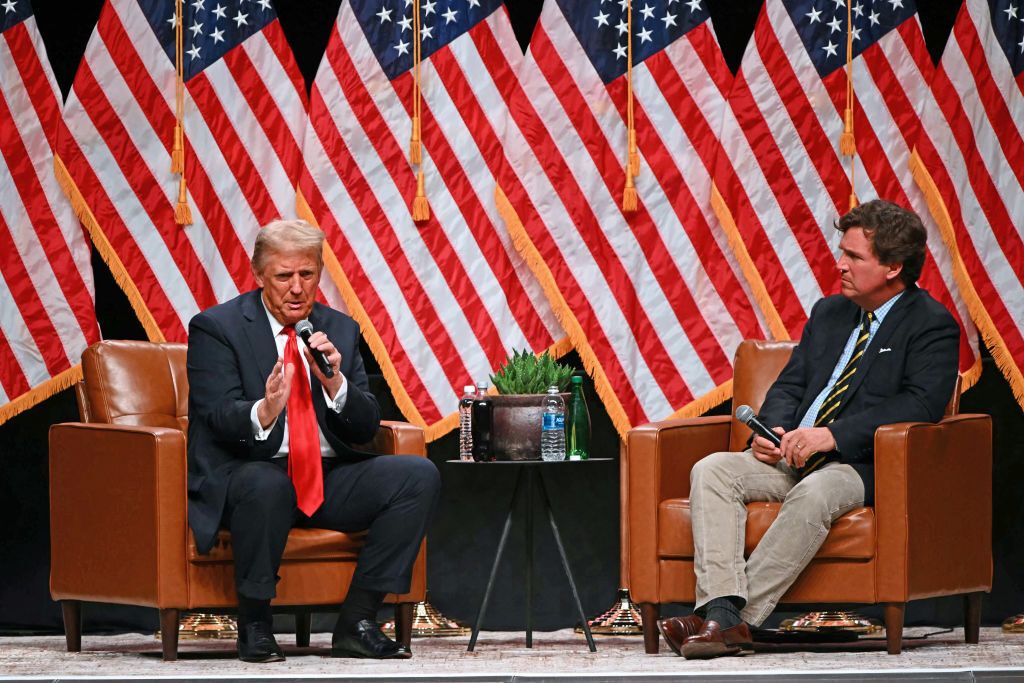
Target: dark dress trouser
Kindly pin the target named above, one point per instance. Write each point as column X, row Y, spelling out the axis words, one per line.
column 393, row 496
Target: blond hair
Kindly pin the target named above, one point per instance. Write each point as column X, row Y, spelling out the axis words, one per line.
column 284, row 236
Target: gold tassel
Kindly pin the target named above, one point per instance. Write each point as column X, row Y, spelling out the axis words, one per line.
column 182, row 213
column 420, row 207
column 629, row 198
column 178, row 151
column 415, row 155
column 847, row 143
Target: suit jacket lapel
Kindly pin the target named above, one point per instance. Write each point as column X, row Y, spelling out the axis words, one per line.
column 258, row 334
column 881, row 339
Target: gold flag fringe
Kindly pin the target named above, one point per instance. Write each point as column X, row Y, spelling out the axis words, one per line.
column 41, row 392
column 739, row 250
column 420, row 207
column 997, row 347
column 110, row 257
column 528, row 250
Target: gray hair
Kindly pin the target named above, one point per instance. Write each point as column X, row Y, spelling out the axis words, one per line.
column 283, row 236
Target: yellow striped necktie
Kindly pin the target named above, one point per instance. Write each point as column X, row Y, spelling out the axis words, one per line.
column 830, row 406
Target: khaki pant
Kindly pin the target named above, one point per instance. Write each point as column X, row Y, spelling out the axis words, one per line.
column 721, row 485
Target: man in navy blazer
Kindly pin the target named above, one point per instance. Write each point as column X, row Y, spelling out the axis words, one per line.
column 882, row 351
column 238, row 447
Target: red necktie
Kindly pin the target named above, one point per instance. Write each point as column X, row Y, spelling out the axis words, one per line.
column 304, row 465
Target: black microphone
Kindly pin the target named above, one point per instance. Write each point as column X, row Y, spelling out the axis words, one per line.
column 304, row 329
column 745, row 414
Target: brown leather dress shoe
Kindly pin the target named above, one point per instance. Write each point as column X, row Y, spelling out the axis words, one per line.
column 713, row 641
column 677, row 629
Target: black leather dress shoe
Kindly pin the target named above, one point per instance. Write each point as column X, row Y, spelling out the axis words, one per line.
column 256, row 644
column 366, row 640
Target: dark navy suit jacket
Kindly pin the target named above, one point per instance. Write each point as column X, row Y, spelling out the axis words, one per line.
column 907, row 373
column 231, row 352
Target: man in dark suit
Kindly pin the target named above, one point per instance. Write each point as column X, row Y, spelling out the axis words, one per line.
column 269, row 447
column 883, row 351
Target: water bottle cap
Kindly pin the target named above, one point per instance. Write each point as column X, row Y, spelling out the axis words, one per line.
column 469, row 388
column 576, row 379
column 481, row 385
column 553, row 389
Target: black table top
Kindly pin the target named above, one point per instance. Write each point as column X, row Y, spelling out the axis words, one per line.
column 528, row 462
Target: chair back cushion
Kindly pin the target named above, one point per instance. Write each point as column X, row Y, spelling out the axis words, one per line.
column 135, row 383
column 757, row 365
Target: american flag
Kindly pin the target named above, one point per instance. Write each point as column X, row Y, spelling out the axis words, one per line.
column 47, row 317
column 440, row 302
column 787, row 111
column 652, row 299
column 971, row 165
column 244, row 117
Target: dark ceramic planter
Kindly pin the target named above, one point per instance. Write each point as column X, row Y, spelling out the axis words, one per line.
column 517, row 421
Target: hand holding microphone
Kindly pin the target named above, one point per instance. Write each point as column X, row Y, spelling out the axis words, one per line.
column 745, row 414
column 304, row 329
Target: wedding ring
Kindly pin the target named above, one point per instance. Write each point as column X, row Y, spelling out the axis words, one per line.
column 799, row 446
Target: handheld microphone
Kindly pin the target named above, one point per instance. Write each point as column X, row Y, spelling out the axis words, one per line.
column 304, row 329
column 745, row 414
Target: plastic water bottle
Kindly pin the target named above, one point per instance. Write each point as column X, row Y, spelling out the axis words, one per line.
column 552, row 435
column 578, row 423
column 482, row 419
column 466, row 422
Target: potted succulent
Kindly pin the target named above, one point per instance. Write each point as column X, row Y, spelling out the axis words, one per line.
column 522, row 381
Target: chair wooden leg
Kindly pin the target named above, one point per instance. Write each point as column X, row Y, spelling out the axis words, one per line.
column 169, row 633
column 403, row 623
column 303, row 627
column 894, row 626
column 972, row 617
column 72, row 610
column 649, row 614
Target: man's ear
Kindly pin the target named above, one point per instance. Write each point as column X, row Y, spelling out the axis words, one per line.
column 894, row 271
column 257, row 276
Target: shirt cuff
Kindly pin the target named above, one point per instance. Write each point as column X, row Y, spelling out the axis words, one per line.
column 258, row 432
column 338, row 402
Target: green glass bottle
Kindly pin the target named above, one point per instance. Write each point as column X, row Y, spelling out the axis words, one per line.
column 577, row 423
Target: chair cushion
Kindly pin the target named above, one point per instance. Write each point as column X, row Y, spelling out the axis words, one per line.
column 303, row 544
column 852, row 536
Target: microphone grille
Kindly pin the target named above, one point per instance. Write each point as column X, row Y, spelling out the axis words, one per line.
column 303, row 327
column 744, row 413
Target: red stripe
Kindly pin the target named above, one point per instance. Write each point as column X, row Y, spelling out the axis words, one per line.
column 1001, row 127
column 772, row 170
column 656, row 252
column 575, row 200
column 11, row 374
column 57, row 251
column 275, row 37
column 708, row 51
column 258, row 94
column 368, row 297
column 32, row 309
column 686, row 206
column 385, row 236
column 477, row 221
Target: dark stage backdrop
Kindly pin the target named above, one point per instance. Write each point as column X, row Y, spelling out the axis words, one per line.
column 464, row 535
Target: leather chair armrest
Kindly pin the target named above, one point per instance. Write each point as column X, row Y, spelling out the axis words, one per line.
column 395, row 437
column 933, row 503
column 118, row 517
column 659, row 457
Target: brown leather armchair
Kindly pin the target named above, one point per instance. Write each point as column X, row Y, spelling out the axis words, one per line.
column 928, row 533
column 118, row 510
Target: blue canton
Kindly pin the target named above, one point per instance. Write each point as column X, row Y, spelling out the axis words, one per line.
column 13, row 12
column 388, row 26
column 601, row 26
column 822, row 26
column 1008, row 25
column 212, row 27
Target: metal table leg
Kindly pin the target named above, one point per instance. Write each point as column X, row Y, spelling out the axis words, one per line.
column 565, row 562
column 530, row 477
column 497, row 561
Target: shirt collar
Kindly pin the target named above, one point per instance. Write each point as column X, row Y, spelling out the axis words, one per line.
column 884, row 309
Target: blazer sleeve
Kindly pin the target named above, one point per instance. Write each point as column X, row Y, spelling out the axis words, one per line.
column 217, row 394
column 358, row 421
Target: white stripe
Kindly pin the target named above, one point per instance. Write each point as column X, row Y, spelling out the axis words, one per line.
column 278, row 83
column 23, row 347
